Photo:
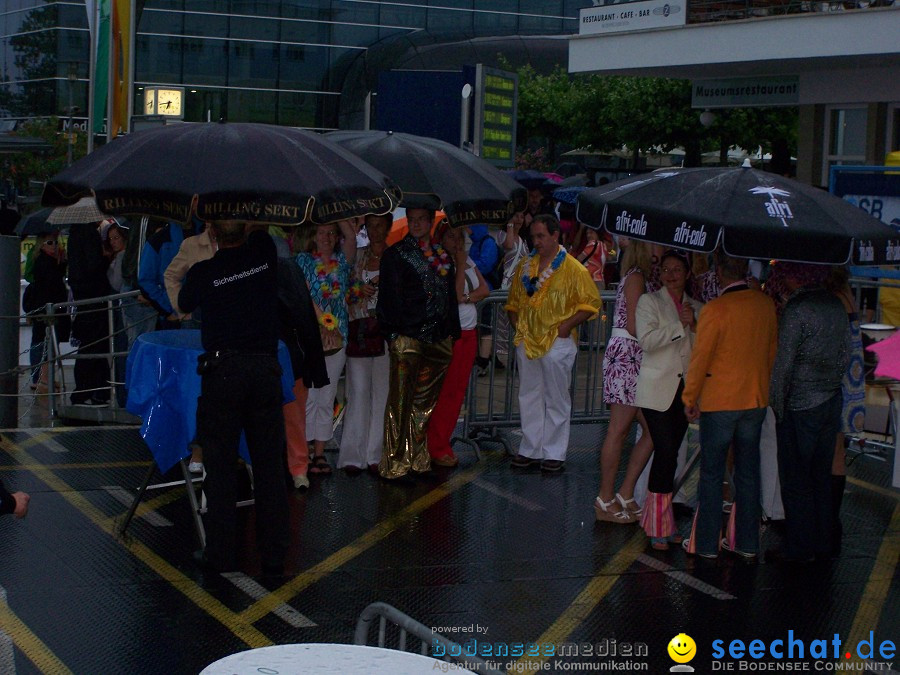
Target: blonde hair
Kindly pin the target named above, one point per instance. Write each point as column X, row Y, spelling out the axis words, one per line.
column 638, row 254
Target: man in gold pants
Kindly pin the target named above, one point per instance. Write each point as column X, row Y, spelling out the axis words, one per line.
column 417, row 311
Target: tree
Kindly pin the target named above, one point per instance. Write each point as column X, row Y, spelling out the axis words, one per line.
column 41, row 166
column 608, row 113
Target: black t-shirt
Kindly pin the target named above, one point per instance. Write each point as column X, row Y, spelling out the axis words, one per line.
column 237, row 291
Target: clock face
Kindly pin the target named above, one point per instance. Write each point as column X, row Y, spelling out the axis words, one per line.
column 168, row 102
column 150, row 101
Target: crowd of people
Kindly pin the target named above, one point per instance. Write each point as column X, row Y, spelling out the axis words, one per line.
column 689, row 342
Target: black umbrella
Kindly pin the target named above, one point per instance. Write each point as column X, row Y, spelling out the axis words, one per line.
column 752, row 213
column 252, row 172
column 36, row 223
column 436, row 175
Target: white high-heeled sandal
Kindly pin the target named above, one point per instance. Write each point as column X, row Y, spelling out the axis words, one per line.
column 601, row 508
column 635, row 511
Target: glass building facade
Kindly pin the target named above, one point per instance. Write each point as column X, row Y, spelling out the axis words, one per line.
column 275, row 61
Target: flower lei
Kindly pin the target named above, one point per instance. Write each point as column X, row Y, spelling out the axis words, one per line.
column 326, row 276
column 437, row 258
column 530, row 279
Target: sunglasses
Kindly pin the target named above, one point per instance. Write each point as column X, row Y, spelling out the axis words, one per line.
column 51, row 242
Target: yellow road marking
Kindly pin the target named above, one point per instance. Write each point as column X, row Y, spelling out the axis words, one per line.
column 29, row 643
column 342, row 556
column 886, row 492
column 587, row 601
column 233, row 622
column 240, row 624
column 86, row 466
column 877, row 587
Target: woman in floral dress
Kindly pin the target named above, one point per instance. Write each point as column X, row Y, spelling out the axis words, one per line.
column 621, row 364
column 327, row 270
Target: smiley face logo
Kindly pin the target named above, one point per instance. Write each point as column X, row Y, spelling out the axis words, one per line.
column 682, row 648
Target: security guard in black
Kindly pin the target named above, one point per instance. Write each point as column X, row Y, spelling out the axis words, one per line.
column 237, row 293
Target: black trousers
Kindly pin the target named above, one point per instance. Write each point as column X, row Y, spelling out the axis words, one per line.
column 667, row 430
column 91, row 325
column 805, row 451
column 243, row 393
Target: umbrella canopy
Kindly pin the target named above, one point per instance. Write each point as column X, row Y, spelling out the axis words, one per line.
column 436, row 175
column 253, row 172
column 36, row 223
column 751, row 213
column 568, row 195
column 83, row 211
column 530, row 179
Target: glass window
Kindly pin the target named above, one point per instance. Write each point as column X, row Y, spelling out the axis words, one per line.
column 353, row 36
column 204, row 60
column 354, row 12
column 254, row 29
column 212, row 6
column 252, row 106
column 893, row 143
column 164, row 4
column 305, row 31
column 256, row 7
column 203, row 104
column 449, row 19
column 535, row 25
column 158, row 59
column 491, row 23
column 302, row 66
column 206, row 24
column 309, row 9
column 252, row 64
column 169, row 23
column 72, row 17
column 407, row 17
column 542, row 7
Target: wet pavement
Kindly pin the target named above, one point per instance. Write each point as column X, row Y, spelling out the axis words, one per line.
column 511, row 559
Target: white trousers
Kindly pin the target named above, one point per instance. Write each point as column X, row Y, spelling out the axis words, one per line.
column 320, row 403
column 544, row 402
column 367, row 383
column 770, row 492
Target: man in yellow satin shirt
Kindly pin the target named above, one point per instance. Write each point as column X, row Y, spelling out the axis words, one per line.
column 551, row 294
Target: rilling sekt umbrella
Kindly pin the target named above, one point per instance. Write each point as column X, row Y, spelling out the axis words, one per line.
column 751, row 213
column 436, row 175
column 252, row 172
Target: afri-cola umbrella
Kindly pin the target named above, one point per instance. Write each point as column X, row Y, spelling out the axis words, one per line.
column 436, row 175
column 750, row 213
column 253, row 172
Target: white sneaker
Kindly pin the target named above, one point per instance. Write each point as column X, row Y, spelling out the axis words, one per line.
column 301, row 482
column 195, row 467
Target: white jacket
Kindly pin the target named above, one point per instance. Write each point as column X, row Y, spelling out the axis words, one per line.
column 667, row 348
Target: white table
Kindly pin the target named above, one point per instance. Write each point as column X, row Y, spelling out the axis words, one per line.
column 323, row 658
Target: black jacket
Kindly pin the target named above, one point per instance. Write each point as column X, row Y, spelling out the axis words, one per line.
column 298, row 326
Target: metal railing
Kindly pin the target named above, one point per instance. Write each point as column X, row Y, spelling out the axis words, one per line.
column 492, row 398
column 431, row 643
column 53, row 358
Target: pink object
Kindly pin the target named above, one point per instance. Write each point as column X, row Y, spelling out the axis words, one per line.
column 888, row 351
column 555, row 177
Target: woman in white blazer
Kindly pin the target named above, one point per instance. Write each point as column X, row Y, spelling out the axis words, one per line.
column 665, row 322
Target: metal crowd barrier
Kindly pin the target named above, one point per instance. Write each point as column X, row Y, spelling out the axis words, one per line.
column 492, row 398
column 441, row 647
column 109, row 412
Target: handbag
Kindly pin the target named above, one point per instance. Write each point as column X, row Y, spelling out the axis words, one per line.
column 364, row 337
column 332, row 340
